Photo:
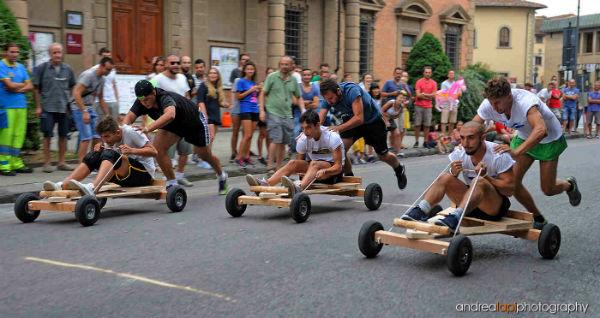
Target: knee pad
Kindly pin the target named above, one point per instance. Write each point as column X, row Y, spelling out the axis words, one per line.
column 92, row 160
column 112, row 156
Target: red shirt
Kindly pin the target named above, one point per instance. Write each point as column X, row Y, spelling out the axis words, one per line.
column 552, row 101
column 426, row 87
column 499, row 127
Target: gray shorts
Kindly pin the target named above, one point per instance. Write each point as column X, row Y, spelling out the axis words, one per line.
column 183, row 148
column 280, row 129
column 235, row 110
column 557, row 112
column 595, row 116
column 422, row 116
column 113, row 109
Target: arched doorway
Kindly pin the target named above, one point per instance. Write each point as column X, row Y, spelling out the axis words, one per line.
column 137, row 34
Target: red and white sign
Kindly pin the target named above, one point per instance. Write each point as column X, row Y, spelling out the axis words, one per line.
column 74, row 43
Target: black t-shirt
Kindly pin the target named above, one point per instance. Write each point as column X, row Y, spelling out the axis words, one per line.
column 213, row 108
column 234, row 74
column 187, row 116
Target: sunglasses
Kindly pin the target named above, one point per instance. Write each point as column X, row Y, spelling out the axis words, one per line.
column 175, row 63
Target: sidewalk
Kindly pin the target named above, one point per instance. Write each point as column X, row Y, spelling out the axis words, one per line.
column 12, row 187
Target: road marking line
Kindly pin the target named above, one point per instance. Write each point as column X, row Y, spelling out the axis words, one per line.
column 135, row 277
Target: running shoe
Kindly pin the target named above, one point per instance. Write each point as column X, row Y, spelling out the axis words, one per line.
column 185, row 182
column 449, row 220
column 539, row 225
column 241, row 163
column 361, row 161
column 415, row 214
column 87, row 188
column 252, row 181
column 249, row 161
column 371, row 158
column 223, row 186
column 574, row 194
column 262, row 160
column 401, row 176
column 292, row 187
column 232, row 158
column 416, row 144
column 24, row 170
column 52, row 186
column 204, row 164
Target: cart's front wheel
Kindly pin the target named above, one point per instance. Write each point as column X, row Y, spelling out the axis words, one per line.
column 300, row 207
column 366, row 239
column 87, row 210
column 22, row 211
column 176, row 198
column 231, row 203
column 549, row 241
column 460, row 255
column 373, row 196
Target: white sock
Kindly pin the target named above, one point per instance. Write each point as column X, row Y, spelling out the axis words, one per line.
column 425, row 207
column 178, row 175
column 59, row 184
column 458, row 212
column 223, row 175
column 171, row 182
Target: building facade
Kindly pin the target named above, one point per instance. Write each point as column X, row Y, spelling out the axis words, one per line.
column 588, row 54
column 505, row 36
column 354, row 36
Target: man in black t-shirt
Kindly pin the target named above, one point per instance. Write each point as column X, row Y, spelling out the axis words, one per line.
column 176, row 117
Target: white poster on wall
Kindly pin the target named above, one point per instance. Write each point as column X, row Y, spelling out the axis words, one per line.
column 40, row 42
column 225, row 59
column 126, row 90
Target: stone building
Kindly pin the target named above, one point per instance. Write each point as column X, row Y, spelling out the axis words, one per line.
column 353, row 36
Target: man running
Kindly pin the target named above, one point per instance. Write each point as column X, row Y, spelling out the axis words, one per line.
column 539, row 137
column 495, row 184
column 361, row 118
column 177, row 117
column 325, row 150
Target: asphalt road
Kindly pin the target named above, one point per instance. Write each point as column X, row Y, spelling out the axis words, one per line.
column 139, row 260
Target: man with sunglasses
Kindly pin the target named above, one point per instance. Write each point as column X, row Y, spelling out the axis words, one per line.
column 173, row 80
column 176, row 118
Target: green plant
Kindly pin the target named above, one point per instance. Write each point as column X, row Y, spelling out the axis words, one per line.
column 481, row 69
column 428, row 52
column 10, row 32
column 472, row 97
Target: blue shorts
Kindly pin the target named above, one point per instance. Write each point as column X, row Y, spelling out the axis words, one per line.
column 86, row 131
column 50, row 119
column 569, row 113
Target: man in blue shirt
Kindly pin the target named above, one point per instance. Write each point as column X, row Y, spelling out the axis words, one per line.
column 14, row 83
column 593, row 113
column 570, row 97
column 361, row 119
column 391, row 88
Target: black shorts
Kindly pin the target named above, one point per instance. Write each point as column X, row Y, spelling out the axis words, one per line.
column 214, row 122
column 249, row 116
column 136, row 177
column 392, row 125
column 477, row 213
column 333, row 179
column 262, row 123
column 375, row 135
column 50, row 119
column 199, row 136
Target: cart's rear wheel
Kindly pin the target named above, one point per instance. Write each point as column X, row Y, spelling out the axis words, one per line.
column 300, row 207
column 373, row 196
column 460, row 255
column 176, row 198
column 231, row 203
column 549, row 241
column 22, row 211
column 102, row 202
column 87, row 210
column 366, row 239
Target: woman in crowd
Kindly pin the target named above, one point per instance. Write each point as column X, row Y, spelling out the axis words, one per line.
column 247, row 94
column 210, row 100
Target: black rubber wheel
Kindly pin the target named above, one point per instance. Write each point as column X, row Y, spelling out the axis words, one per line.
column 549, row 241
column 87, row 210
column 460, row 255
column 22, row 211
column 231, row 203
column 176, row 198
column 102, row 202
column 300, row 207
column 373, row 196
column 366, row 239
column 435, row 210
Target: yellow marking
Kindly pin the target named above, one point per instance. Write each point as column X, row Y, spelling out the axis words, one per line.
column 136, row 277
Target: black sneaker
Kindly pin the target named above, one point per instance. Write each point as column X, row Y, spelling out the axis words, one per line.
column 415, row 214
column 401, row 176
column 449, row 220
column 262, row 160
column 539, row 225
column 416, row 144
column 8, row 173
column 241, row 163
column 232, row 158
column 574, row 194
column 24, row 170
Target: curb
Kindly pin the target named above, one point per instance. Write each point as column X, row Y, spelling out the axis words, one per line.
column 8, row 194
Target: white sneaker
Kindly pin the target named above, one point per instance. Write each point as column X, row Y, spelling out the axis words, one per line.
column 204, row 164
column 84, row 188
column 293, row 188
column 252, row 181
column 51, row 186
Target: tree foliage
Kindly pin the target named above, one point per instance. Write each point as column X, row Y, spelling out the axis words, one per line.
column 471, row 99
column 428, row 52
column 11, row 32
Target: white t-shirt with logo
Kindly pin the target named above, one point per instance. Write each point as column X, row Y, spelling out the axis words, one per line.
column 323, row 148
column 522, row 101
column 134, row 138
column 495, row 163
column 177, row 85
